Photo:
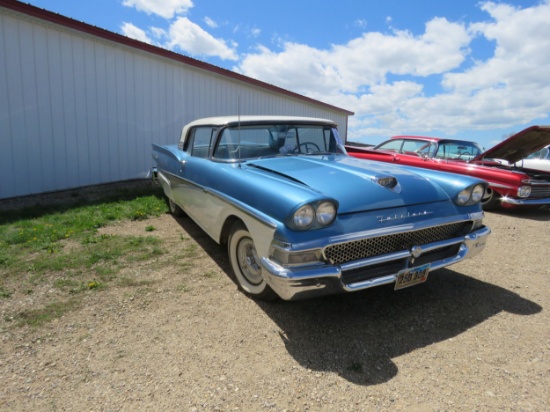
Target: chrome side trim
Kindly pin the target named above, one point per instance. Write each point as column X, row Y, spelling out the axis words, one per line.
column 267, row 220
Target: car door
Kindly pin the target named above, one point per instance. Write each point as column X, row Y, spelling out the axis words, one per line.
column 192, row 192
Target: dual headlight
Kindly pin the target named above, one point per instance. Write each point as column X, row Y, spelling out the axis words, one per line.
column 471, row 195
column 314, row 215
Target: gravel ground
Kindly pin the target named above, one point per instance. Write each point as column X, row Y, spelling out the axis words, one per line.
column 475, row 337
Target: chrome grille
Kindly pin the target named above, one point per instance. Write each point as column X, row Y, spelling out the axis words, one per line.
column 539, row 191
column 365, row 248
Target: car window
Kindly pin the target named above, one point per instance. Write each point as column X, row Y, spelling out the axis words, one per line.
column 412, row 147
column 200, row 139
column 243, row 143
column 427, row 150
column 391, row 145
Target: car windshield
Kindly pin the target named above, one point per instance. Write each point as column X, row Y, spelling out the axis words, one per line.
column 457, row 150
column 267, row 140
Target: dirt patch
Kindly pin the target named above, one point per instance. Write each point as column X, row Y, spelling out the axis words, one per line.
column 476, row 336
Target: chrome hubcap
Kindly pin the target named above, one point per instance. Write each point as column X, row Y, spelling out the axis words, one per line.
column 249, row 261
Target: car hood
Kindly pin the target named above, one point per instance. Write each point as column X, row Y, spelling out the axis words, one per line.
column 352, row 182
column 520, row 145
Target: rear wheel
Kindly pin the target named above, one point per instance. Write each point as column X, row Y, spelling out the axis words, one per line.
column 246, row 265
column 491, row 200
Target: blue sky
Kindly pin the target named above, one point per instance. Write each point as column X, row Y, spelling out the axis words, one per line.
column 475, row 70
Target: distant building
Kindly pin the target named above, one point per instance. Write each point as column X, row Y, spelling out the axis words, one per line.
column 80, row 105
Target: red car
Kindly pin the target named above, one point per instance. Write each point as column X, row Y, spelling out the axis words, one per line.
column 509, row 184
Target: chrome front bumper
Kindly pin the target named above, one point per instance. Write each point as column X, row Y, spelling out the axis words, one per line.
column 324, row 279
column 525, row 202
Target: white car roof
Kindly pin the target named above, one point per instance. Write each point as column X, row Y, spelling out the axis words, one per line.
column 227, row 120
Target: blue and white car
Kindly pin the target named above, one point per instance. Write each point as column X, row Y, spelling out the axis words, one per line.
column 301, row 218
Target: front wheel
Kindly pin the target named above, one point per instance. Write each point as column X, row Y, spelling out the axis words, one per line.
column 246, row 265
column 491, row 200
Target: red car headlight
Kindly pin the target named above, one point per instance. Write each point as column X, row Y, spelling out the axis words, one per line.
column 524, row 191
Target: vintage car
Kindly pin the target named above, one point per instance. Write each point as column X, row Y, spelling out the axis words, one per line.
column 511, row 183
column 301, row 218
column 540, row 160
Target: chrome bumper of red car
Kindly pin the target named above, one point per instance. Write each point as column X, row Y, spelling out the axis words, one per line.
column 307, row 282
column 525, row 202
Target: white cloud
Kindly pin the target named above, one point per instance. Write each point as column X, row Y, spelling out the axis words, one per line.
column 255, row 32
column 512, row 86
column 361, row 23
column 509, row 88
column 366, row 60
column 210, row 23
column 165, row 8
column 520, row 59
column 185, row 35
column 158, row 33
column 129, row 30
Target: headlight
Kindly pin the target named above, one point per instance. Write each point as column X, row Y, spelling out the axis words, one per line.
column 470, row 195
column 303, row 217
column 325, row 213
column 477, row 193
column 314, row 215
column 524, row 191
column 463, row 197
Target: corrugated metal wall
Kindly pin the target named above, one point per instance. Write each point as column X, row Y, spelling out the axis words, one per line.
column 76, row 110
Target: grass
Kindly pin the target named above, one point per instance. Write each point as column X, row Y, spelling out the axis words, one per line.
column 37, row 317
column 60, row 248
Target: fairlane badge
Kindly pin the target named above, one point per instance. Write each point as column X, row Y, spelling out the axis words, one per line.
column 383, row 219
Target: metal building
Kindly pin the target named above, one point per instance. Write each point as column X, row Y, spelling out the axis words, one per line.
column 80, row 105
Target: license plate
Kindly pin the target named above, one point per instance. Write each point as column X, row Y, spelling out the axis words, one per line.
column 413, row 276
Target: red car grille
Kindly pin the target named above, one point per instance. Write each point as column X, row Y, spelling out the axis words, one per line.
column 539, row 192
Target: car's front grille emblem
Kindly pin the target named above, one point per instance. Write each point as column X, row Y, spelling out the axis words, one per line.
column 416, row 251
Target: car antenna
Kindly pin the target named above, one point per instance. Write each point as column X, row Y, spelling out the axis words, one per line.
column 239, row 129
